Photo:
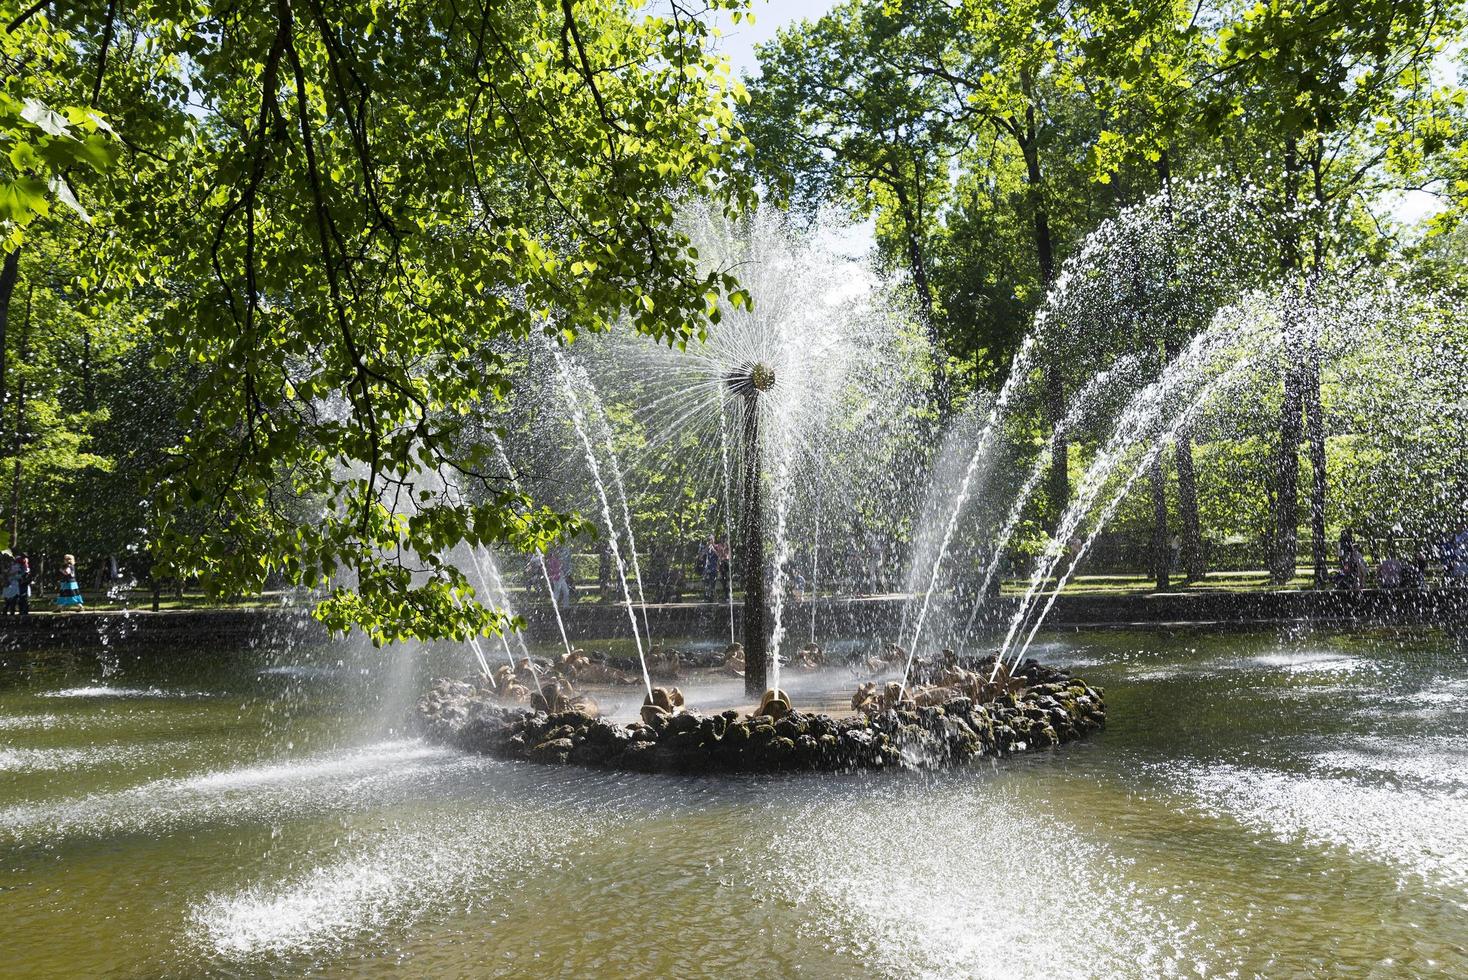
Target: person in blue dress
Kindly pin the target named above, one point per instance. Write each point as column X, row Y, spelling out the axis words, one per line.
column 70, row 593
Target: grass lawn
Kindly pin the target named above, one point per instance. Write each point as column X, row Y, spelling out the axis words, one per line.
column 141, row 599
column 1254, row 580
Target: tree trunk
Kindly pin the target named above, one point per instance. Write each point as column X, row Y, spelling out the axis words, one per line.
column 9, row 273
column 1195, row 565
column 1161, row 553
column 756, row 655
column 1314, row 422
column 941, row 391
column 1287, row 476
column 1059, row 476
column 19, row 436
column 1194, row 561
column 1315, row 435
column 1287, row 482
column 1054, row 372
column 15, row 490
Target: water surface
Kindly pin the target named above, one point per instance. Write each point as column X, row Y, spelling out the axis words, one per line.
column 1261, row 804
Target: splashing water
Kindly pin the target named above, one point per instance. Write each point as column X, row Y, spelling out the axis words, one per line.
column 847, row 460
column 578, row 419
column 1096, row 387
column 848, row 377
column 550, row 589
column 982, row 443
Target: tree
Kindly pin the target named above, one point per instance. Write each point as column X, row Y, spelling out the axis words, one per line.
column 1005, row 66
column 835, row 115
column 928, row 82
column 60, row 347
column 48, row 136
column 1140, row 67
column 1336, row 91
column 360, row 202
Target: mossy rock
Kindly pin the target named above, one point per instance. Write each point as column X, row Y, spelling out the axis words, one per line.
column 555, row 750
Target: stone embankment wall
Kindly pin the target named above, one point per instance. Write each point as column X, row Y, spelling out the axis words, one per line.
column 842, row 616
column 179, row 628
column 169, row 630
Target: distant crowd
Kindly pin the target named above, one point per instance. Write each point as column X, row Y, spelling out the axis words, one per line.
column 1354, row 572
column 20, row 580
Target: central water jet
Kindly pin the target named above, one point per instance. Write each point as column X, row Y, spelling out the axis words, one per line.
column 749, row 382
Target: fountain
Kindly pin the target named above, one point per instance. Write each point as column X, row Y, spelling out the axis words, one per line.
column 803, row 416
column 800, row 418
column 799, row 408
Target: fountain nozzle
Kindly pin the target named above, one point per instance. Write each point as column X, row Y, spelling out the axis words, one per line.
column 751, row 379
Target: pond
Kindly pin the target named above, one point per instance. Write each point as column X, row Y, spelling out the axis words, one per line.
column 1261, row 803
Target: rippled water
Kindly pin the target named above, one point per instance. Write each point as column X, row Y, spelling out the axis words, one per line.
column 1261, row 804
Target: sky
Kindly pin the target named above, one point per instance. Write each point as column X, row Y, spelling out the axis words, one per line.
column 769, row 16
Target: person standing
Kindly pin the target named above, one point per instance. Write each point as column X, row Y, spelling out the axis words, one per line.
column 604, row 573
column 708, row 567
column 721, row 553
column 568, row 572
column 18, row 586
column 1455, row 562
column 1355, row 569
column 1389, row 572
column 1414, row 572
column 560, row 591
column 69, row 592
column 12, row 583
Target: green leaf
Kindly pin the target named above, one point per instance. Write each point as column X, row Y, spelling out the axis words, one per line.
column 22, row 199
